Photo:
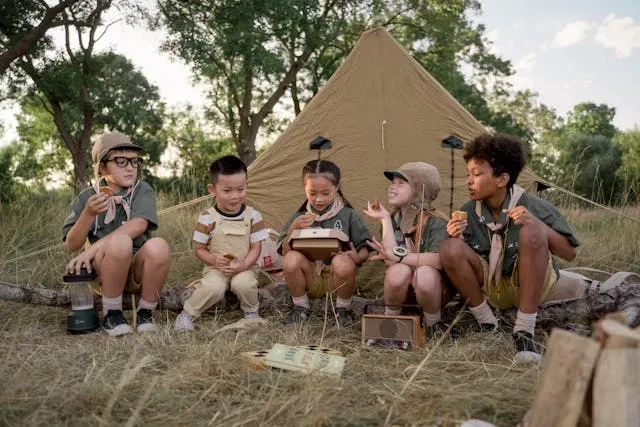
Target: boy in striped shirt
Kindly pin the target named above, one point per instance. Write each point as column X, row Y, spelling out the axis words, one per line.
column 227, row 239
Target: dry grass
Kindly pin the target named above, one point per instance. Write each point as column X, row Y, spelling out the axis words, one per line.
column 48, row 377
column 171, row 378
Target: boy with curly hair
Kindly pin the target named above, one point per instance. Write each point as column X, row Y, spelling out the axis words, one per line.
column 505, row 256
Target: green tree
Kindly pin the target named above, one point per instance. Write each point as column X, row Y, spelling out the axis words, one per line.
column 591, row 119
column 55, row 124
column 253, row 52
column 629, row 172
column 23, row 24
column 588, row 164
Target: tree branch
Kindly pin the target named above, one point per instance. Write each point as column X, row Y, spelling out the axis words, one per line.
column 33, row 36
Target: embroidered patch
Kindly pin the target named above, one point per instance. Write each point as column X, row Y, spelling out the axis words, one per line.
column 338, row 225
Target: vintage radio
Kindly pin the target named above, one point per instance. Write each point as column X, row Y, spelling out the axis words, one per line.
column 403, row 331
column 318, row 244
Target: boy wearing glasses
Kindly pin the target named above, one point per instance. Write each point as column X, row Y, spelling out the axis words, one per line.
column 117, row 216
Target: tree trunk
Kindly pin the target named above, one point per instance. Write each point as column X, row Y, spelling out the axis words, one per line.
column 624, row 298
column 79, row 169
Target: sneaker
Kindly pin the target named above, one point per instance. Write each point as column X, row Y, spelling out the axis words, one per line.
column 144, row 321
column 115, row 324
column 440, row 328
column 299, row 314
column 527, row 350
column 488, row 327
column 184, row 322
column 346, row 317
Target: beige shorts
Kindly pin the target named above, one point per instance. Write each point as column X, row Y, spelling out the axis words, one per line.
column 506, row 294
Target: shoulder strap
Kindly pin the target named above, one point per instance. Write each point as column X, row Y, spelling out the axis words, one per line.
column 248, row 213
column 214, row 214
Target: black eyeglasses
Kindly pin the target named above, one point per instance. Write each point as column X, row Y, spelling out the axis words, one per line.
column 122, row 162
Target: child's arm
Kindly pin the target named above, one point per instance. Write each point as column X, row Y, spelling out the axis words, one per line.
column 77, row 235
column 558, row 244
column 388, row 237
column 303, row 221
column 385, row 253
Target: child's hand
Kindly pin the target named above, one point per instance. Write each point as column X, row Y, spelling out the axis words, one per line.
column 96, row 204
column 379, row 213
column 75, row 265
column 520, row 216
column 234, row 267
column 221, row 262
column 384, row 254
column 352, row 253
column 455, row 227
column 303, row 221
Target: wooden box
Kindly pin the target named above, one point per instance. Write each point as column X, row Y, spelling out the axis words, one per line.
column 318, row 244
column 396, row 331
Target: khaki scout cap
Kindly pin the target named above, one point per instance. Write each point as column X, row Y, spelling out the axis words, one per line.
column 110, row 141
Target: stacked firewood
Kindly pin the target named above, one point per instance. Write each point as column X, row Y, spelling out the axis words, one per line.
column 590, row 381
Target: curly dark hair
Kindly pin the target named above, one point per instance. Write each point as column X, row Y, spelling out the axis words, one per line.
column 504, row 153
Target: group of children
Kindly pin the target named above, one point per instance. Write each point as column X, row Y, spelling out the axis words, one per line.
column 500, row 254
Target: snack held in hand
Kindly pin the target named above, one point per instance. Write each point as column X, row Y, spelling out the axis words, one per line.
column 230, row 257
column 459, row 215
column 375, row 205
column 106, row 190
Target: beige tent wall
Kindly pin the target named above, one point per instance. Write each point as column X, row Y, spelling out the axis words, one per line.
column 380, row 109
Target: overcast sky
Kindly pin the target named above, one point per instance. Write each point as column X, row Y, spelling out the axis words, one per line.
column 569, row 51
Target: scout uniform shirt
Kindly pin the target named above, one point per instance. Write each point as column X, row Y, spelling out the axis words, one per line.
column 435, row 232
column 142, row 202
column 478, row 236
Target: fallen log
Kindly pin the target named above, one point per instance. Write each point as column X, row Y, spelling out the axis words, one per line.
column 624, row 298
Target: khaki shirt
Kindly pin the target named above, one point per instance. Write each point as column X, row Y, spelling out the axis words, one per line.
column 478, row 236
column 142, row 203
column 347, row 220
column 433, row 234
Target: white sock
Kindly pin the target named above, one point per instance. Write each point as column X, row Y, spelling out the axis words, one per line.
column 525, row 322
column 432, row 318
column 343, row 303
column 186, row 313
column 144, row 304
column 392, row 311
column 111, row 304
column 251, row 315
column 302, row 301
column 484, row 314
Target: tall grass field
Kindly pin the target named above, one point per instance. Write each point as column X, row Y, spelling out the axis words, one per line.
column 168, row 378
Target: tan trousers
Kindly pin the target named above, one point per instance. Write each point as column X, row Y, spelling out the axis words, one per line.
column 213, row 286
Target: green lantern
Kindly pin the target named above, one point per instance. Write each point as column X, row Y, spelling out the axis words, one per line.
column 83, row 317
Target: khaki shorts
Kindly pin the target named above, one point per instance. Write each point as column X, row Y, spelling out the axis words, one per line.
column 130, row 287
column 321, row 282
column 506, row 294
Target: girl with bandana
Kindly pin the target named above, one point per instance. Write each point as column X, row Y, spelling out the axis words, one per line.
column 411, row 236
column 325, row 207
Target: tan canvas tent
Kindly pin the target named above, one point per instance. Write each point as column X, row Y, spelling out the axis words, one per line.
column 380, row 109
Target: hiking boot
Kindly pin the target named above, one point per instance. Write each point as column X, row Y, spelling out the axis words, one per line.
column 115, row 324
column 144, row 321
column 346, row 317
column 527, row 350
column 299, row 314
column 184, row 322
column 440, row 328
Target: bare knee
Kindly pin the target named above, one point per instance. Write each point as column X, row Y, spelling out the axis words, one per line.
column 397, row 278
column 343, row 266
column 120, row 247
column 427, row 281
column 293, row 261
column 451, row 250
column 156, row 251
column 532, row 236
